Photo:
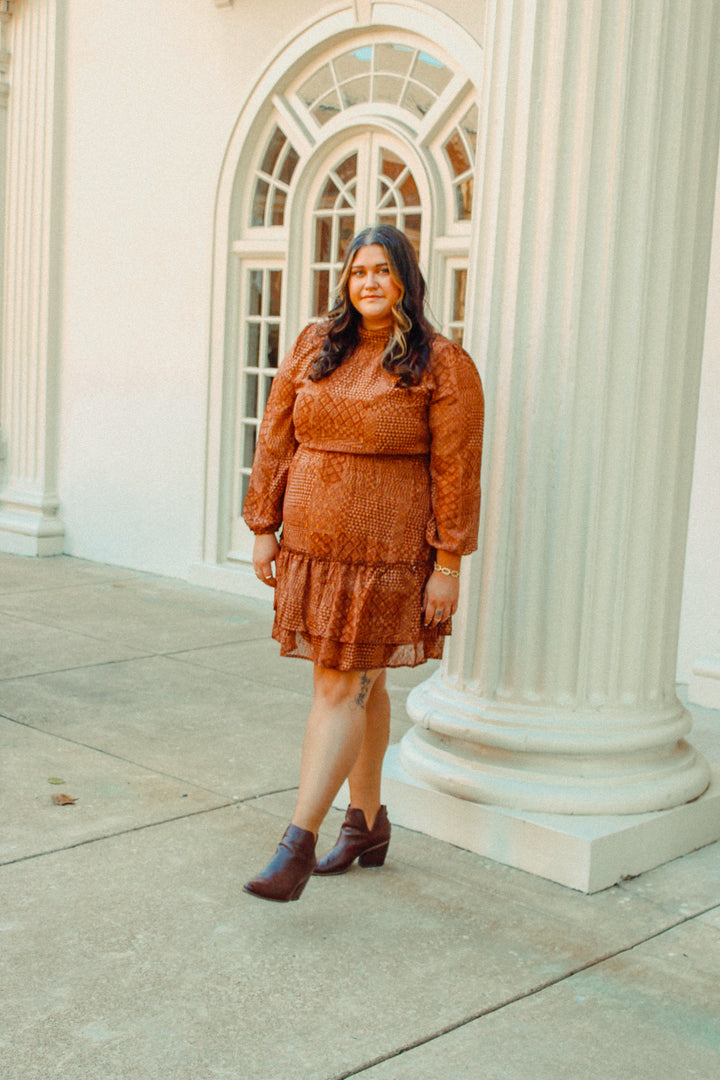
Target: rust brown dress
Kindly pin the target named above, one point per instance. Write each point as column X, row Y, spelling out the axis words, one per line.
column 366, row 479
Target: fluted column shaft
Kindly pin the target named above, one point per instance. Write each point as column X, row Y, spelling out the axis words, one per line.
column 29, row 392
column 598, row 159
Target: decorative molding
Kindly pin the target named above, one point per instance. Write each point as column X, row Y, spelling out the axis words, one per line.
column 363, row 12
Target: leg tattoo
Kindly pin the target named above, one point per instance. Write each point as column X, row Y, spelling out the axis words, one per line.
column 365, row 686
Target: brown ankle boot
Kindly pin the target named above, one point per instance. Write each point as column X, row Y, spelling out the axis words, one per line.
column 356, row 840
column 289, row 870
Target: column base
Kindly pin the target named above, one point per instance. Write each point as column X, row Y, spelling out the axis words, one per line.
column 30, row 533
column 587, row 853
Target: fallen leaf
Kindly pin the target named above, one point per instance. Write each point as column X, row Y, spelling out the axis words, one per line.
column 55, row 780
column 64, row 800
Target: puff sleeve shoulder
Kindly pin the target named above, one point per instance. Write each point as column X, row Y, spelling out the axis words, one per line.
column 456, row 418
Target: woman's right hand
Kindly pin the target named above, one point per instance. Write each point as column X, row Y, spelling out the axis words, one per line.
column 265, row 552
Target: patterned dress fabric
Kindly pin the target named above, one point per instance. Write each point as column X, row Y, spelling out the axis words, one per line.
column 366, row 479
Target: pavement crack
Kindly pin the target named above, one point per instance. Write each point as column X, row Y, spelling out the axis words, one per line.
column 524, row 995
column 78, row 667
column 118, row 757
column 119, row 832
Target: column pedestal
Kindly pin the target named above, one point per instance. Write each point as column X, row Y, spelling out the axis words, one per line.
column 588, row 853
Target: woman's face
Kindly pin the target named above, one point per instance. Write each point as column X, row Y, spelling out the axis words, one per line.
column 371, row 287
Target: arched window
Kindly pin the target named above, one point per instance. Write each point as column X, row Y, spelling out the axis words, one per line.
column 375, row 131
column 370, row 183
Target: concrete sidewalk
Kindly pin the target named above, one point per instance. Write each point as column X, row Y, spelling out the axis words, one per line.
column 129, row 951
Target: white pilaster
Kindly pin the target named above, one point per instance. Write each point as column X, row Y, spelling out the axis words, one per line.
column 557, row 697
column 4, row 95
column 29, row 519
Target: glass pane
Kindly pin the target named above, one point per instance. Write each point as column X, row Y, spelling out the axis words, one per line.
column 347, row 170
column 355, row 92
column 463, row 199
column 272, row 153
column 317, row 85
column 411, row 228
column 322, row 240
column 458, row 305
column 275, row 292
column 409, row 191
column 244, row 485
column 353, row 63
column 266, row 388
column 272, row 346
column 328, row 107
column 278, row 207
column 250, row 403
column 346, row 233
column 390, row 164
column 259, row 201
column 321, row 291
column 249, row 439
column 469, row 125
column 255, row 284
column 288, row 165
column 252, row 349
column 393, row 58
column 456, row 334
column 417, row 99
column 387, row 88
column 328, row 196
column 431, row 72
column 388, row 219
column 456, row 154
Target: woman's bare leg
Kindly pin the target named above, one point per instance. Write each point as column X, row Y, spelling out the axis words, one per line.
column 334, row 737
column 365, row 775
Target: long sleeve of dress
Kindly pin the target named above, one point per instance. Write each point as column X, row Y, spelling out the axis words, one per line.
column 276, row 444
column 456, row 418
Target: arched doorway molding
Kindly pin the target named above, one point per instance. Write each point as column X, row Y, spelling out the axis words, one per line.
column 273, row 96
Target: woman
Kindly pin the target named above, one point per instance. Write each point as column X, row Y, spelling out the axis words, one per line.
column 368, row 456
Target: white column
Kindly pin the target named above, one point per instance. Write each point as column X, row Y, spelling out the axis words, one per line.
column 553, row 736
column 29, row 520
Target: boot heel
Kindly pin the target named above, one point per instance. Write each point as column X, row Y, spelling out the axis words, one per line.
column 375, row 856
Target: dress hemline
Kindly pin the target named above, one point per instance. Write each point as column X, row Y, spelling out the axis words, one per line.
column 361, row 656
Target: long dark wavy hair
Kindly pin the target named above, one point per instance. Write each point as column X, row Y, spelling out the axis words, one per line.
column 408, row 349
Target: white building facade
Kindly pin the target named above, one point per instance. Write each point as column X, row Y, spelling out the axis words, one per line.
column 179, row 184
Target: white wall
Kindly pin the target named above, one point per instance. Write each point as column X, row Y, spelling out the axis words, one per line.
column 153, row 93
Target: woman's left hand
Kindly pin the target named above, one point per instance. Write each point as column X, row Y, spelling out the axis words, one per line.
column 440, row 601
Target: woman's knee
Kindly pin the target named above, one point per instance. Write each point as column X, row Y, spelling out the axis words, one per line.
column 344, row 687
